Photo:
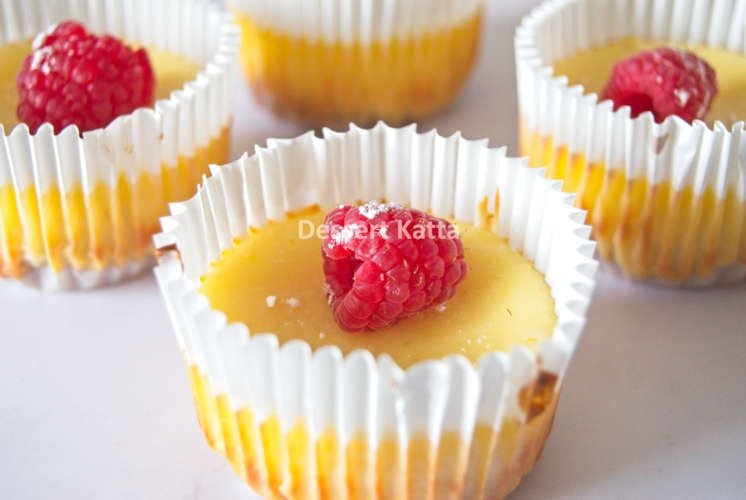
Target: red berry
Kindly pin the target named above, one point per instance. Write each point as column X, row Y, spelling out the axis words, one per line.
column 384, row 262
column 75, row 77
column 665, row 81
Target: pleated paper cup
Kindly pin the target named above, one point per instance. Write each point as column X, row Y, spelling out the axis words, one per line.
column 667, row 202
column 336, row 61
column 301, row 423
column 80, row 212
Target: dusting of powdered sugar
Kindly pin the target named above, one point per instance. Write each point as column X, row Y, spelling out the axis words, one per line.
column 345, row 235
column 37, row 57
column 41, row 37
column 271, row 300
column 328, row 293
column 682, row 97
column 41, row 52
column 371, row 209
column 293, row 302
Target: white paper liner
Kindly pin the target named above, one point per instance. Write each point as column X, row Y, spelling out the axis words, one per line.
column 143, row 141
column 356, row 393
column 357, row 20
column 72, row 279
column 682, row 154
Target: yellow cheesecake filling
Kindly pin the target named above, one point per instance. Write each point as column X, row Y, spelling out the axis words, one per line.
column 12, row 56
column 272, row 281
column 327, row 82
column 110, row 225
column 650, row 231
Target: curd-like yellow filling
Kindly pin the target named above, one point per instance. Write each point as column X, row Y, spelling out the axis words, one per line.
column 12, row 57
column 333, row 81
column 592, row 68
column 273, row 281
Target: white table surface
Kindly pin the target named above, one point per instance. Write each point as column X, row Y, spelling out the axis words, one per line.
column 94, row 400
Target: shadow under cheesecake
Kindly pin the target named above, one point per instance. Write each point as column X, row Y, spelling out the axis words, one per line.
column 652, row 384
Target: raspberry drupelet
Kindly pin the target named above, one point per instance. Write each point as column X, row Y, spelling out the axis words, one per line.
column 664, row 81
column 75, row 77
column 384, row 263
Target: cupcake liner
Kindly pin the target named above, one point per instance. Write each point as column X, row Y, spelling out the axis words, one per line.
column 303, row 423
column 46, row 278
column 79, row 212
column 358, row 20
column 337, row 61
column 667, row 201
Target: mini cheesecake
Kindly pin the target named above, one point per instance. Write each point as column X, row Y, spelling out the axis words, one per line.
column 332, row 63
column 453, row 399
column 79, row 211
column 664, row 195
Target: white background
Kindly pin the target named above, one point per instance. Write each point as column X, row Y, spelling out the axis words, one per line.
column 94, row 401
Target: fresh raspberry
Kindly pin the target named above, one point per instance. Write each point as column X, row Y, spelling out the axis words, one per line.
column 75, row 77
column 384, row 262
column 665, row 81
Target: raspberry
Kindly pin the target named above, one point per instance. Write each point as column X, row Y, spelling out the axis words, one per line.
column 75, row 77
column 384, row 263
column 665, row 81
